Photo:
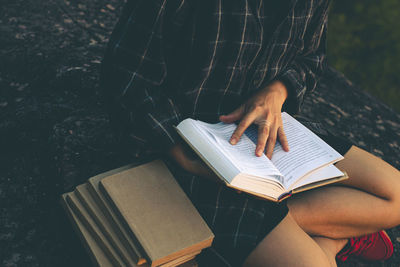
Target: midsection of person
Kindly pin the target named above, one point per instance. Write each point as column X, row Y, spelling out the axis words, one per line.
column 208, row 58
column 220, row 57
column 234, row 61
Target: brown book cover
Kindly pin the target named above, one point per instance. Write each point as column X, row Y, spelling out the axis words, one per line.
column 157, row 212
column 128, row 256
column 93, row 229
column 94, row 250
column 95, row 246
column 128, row 241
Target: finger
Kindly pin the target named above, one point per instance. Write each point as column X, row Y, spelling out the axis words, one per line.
column 263, row 132
column 271, row 141
column 283, row 139
column 235, row 115
column 243, row 125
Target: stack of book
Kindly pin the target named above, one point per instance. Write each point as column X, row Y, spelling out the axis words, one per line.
column 137, row 215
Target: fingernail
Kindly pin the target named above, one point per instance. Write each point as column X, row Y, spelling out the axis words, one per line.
column 233, row 141
column 258, row 153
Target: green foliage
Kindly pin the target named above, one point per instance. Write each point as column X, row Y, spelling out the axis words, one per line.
column 364, row 44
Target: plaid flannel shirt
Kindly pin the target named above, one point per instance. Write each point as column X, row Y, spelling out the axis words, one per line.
column 171, row 59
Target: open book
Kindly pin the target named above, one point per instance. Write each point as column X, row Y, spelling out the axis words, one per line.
column 308, row 164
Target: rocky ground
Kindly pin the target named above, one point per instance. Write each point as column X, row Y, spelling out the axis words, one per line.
column 53, row 133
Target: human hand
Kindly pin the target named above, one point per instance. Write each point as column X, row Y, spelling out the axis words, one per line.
column 191, row 162
column 264, row 109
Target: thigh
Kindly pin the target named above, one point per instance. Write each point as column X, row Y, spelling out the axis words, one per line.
column 367, row 202
column 370, row 173
column 287, row 245
column 238, row 221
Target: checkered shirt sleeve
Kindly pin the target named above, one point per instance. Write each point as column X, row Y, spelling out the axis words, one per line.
column 301, row 76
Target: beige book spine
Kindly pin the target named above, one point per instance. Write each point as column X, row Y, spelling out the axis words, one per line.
column 130, row 242
column 104, row 225
column 95, row 252
column 93, row 230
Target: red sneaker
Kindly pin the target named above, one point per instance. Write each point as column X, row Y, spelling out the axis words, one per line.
column 373, row 247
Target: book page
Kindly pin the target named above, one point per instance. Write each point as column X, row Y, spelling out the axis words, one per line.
column 243, row 153
column 328, row 172
column 206, row 148
column 307, row 151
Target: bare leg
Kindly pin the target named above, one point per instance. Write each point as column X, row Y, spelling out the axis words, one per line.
column 331, row 247
column 367, row 202
column 289, row 245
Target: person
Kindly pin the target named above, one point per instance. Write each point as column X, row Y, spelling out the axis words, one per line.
column 245, row 61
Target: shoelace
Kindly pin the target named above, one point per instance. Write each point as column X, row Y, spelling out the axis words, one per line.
column 358, row 245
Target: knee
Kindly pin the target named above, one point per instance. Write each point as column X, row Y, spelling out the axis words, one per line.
column 393, row 204
column 393, row 213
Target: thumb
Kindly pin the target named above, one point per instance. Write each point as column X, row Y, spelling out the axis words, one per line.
column 235, row 115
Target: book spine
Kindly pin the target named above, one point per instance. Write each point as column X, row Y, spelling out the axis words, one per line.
column 103, row 228
column 123, row 236
column 78, row 231
column 110, row 253
column 285, row 195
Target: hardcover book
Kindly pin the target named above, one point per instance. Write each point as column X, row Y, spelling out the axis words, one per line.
column 308, row 164
column 137, row 215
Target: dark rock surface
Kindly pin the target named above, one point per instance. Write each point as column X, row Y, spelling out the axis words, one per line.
column 54, row 134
